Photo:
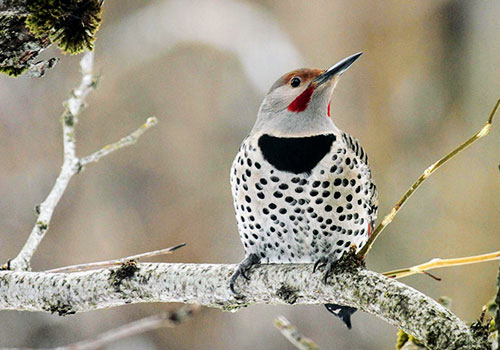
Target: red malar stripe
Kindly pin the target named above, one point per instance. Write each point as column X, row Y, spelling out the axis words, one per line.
column 301, row 102
column 328, row 111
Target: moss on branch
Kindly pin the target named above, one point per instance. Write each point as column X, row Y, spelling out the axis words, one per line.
column 72, row 25
column 28, row 27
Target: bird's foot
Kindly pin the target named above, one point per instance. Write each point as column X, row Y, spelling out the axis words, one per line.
column 243, row 268
column 328, row 263
column 320, row 263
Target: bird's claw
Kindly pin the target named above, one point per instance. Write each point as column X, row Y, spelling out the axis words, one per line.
column 242, row 270
column 327, row 272
column 244, row 273
column 232, row 280
column 327, row 263
column 319, row 263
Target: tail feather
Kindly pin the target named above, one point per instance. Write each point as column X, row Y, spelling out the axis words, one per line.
column 342, row 312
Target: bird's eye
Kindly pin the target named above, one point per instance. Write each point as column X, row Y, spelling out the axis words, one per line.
column 295, row 82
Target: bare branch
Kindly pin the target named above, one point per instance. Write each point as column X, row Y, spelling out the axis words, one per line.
column 73, row 107
column 207, row 285
column 428, row 172
column 293, row 335
column 124, row 142
column 71, row 164
column 437, row 263
column 108, row 263
column 164, row 319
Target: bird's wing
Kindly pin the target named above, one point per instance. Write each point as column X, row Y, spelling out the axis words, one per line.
column 354, row 146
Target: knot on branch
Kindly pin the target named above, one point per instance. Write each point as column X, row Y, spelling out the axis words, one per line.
column 288, row 294
column 42, row 225
column 126, row 271
column 6, row 266
column 481, row 329
column 350, row 262
column 69, row 119
column 60, row 308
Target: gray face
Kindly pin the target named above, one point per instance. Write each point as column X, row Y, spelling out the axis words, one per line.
column 296, row 106
column 287, row 88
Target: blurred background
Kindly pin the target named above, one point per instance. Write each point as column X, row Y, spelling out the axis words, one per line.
column 429, row 76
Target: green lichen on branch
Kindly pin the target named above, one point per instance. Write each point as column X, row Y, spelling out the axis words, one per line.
column 405, row 338
column 60, row 308
column 29, row 27
column 19, row 45
column 72, row 25
column 13, row 71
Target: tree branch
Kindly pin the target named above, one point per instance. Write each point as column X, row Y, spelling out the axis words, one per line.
column 29, row 27
column 124, row 142
column 437, row 263
column 19, row 46
column 494, row 333
column 69, row 118
column 207, row 284
column 427, row 172
column 146, row 324
column 108, row 263
column 293, row 335
column 71, row 164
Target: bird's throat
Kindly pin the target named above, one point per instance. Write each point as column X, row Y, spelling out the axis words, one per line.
column 295, row 154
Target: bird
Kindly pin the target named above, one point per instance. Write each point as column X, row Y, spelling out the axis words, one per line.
column 302, row 188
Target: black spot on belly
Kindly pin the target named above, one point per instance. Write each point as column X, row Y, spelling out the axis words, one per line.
column 295, row 154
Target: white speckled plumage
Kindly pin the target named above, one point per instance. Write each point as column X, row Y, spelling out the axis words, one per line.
column 304, row 223
column 293, row 212
column 302, row 188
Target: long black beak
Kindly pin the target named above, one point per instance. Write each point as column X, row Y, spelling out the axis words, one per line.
column 337, row 69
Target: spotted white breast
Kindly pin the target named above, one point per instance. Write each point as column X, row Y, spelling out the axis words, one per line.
column 302, row 199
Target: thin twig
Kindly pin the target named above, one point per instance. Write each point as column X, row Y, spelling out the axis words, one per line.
column 124, row 142
column 293, row 335
column 69, row 118
column 431, row 169
column 439, row 263
column 104, row 264
column 71, row 163
column 164, row 319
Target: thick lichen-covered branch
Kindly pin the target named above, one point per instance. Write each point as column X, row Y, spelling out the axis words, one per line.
column 29, row 27
column 19, row 45
column 207, row 284
column 495, row 323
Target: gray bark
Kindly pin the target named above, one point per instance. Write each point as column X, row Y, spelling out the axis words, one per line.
column 18, row 46
column 207, row 284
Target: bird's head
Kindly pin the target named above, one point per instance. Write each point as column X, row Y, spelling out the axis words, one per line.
column 298, row 103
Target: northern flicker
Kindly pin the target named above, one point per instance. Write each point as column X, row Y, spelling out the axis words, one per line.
column 302, row 188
